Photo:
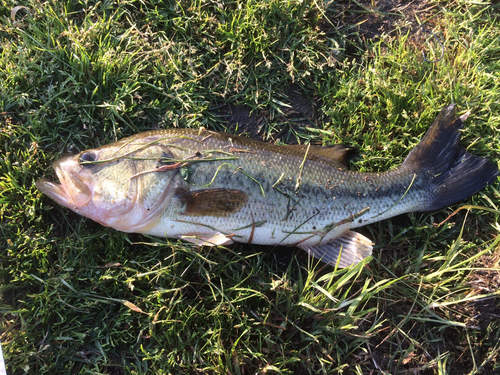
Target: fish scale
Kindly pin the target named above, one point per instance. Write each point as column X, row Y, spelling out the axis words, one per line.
column 352, row 194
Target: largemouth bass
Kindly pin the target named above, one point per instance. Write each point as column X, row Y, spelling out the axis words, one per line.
column 213, row 188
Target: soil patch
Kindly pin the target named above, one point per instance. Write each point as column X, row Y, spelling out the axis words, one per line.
column 371, row 19
column 298, row 112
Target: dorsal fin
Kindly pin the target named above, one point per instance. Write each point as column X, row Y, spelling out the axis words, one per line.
column 340, row 154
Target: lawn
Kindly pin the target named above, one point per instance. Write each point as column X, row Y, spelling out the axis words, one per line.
column 79, row 298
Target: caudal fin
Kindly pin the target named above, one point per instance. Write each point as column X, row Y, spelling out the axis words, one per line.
column 454, row 173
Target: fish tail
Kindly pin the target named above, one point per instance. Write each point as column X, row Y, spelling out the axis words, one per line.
column 454, row 174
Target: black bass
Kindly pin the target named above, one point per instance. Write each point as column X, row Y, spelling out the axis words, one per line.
column 213, row 188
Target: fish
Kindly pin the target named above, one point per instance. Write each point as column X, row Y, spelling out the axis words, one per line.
column 212, row 189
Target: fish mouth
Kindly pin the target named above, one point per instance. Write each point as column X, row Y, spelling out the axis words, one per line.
column 72, row 192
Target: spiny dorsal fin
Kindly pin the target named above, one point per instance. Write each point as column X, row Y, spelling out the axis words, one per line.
column 351, row 247
column 340, row 154
column 212, row 202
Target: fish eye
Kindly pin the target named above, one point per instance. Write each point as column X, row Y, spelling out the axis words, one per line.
column 87, row 157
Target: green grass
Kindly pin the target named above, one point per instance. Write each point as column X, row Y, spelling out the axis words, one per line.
column 79, row 298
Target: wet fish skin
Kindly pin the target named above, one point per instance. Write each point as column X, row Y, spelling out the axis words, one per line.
column 214, row 188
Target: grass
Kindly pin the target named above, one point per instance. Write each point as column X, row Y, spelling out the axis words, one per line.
column 79, row 298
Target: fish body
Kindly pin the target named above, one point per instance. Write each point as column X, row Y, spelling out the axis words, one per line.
column 212, row 188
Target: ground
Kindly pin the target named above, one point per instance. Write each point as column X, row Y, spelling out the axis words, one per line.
column 83, row 299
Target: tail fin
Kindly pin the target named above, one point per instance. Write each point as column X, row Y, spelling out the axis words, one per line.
column 454, row 173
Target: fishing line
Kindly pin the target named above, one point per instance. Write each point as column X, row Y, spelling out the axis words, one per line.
column 441, row 43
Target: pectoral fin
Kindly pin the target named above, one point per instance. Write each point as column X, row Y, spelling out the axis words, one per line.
column 217, row 239
column 212, row 202
column 351, row 247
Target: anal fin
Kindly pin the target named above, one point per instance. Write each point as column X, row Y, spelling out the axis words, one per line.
column 351, row 247
column 217, row 239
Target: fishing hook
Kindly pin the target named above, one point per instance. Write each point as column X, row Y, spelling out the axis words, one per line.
column 441, row 43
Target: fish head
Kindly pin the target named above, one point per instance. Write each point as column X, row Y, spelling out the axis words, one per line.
column 123, row 185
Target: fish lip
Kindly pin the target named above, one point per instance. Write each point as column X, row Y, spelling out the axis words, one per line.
column 54, row 191
column 78, row 192
column 72, row 191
